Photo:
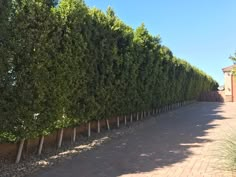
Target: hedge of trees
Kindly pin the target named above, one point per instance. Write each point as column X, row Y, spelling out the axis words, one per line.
column 68, row 64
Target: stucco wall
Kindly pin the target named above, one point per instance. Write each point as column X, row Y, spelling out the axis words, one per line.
column 228, row 85
column 234, row 89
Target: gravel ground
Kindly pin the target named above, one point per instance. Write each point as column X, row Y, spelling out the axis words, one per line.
column 53, row 156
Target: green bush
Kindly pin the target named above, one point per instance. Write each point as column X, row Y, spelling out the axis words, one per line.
column 65, row 65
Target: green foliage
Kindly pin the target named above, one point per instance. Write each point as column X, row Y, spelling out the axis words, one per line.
column 233, row 58
column 226, row 156
column 65, row 65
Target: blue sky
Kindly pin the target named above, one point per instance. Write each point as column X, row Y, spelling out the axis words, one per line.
column 203, row 32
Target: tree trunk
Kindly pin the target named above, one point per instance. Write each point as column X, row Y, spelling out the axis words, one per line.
column 118, row 122
column 99, row 129
column 20, row 149
column 125, row 120
column 137, row 116
column 60, row 138
column 41, row 145
column 131, row 118
column 74, row 134
column 108, row 125
column 89, row 129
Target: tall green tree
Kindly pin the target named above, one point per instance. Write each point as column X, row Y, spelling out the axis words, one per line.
column 65, row 64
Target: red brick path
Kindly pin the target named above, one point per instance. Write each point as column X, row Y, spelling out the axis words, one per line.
column 182, row 143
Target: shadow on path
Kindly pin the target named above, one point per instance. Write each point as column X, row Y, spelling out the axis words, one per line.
column 161, row 141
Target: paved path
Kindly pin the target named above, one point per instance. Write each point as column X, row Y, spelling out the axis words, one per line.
column 180, row 143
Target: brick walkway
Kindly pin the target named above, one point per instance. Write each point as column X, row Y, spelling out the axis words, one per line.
column 181, row 143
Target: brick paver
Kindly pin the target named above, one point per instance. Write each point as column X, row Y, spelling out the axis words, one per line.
column 182, row 143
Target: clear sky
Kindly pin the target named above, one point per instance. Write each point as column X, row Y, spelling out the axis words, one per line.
column 203, row 32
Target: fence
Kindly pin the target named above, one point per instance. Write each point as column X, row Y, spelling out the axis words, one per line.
column 9, row 151
column 215, row 96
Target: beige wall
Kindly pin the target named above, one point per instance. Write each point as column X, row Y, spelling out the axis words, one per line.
column 234, row 89
column 228, row 85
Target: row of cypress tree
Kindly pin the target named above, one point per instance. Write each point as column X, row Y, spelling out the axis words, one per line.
column 68, row 64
